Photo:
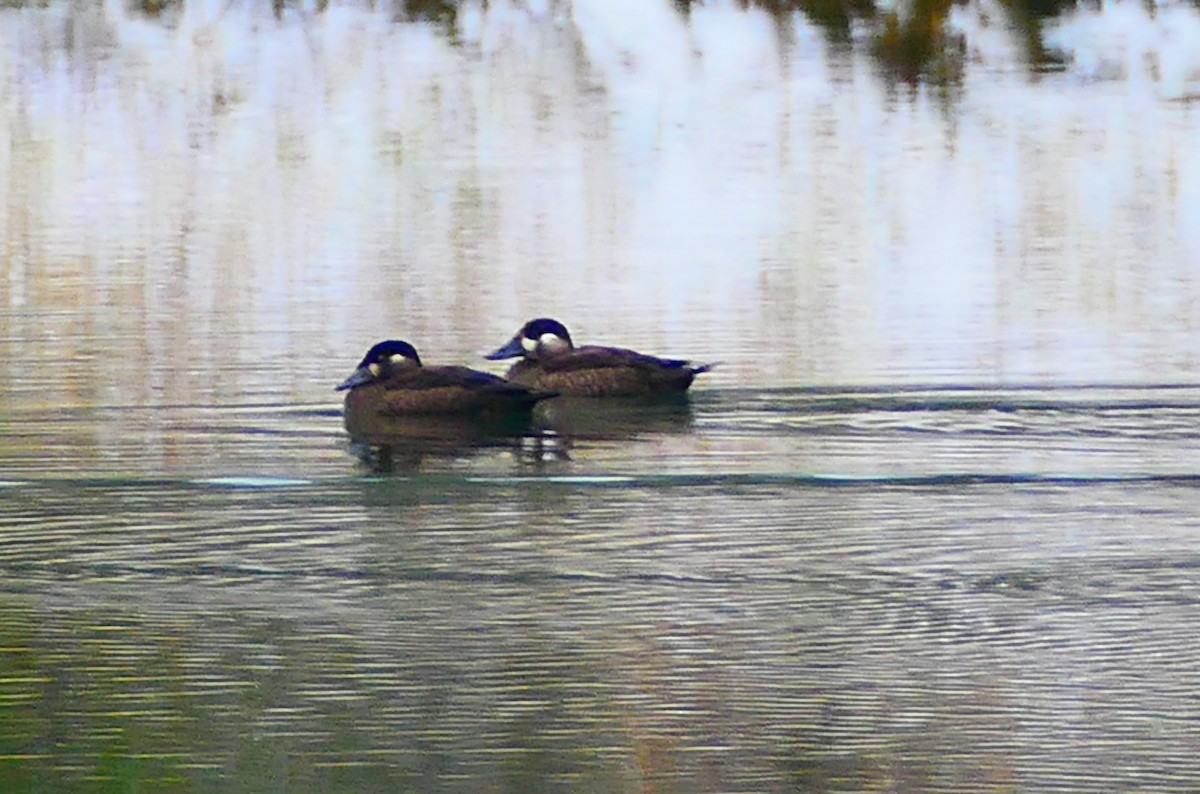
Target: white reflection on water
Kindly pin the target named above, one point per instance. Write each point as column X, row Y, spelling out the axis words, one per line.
column 192, row 202
column 1143, row 44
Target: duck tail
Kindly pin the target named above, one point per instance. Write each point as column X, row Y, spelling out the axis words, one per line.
column 702, row 368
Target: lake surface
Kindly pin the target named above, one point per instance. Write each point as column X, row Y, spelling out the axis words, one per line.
column 932, row 525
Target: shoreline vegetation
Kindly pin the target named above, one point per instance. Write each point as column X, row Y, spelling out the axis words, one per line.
column 913, row 42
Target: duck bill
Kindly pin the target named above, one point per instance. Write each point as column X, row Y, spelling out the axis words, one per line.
column 511, row 350
column 360, row 377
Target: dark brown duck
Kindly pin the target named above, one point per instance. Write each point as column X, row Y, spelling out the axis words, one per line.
column 549, row 360
column 390, row 381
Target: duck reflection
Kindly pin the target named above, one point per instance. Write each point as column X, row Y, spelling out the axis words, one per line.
column 391, row 444
column 607, row 419
column 388, row 444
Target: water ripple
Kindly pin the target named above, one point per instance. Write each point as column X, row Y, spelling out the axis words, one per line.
column 796, row 585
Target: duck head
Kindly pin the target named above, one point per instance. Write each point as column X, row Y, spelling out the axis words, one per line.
column 537, row 338
column 380, row 362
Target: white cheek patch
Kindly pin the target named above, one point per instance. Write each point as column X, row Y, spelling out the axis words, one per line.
column 373, row 369
column 552, row 342
column 530, row 345
column 398, row 359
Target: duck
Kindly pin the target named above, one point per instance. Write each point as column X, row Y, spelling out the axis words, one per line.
column 391, row 381
column 550, row 360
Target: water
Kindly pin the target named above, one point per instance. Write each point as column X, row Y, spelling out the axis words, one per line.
column 931, row 525
column 787, row 588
